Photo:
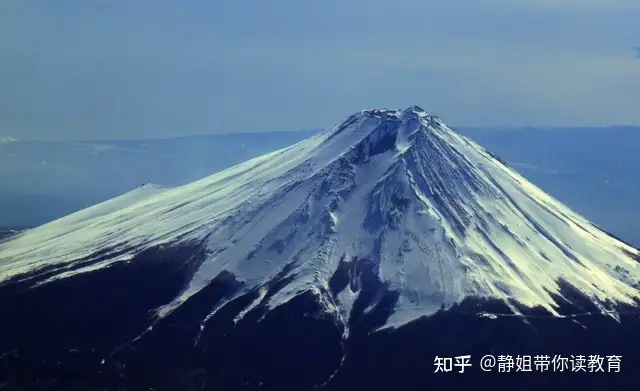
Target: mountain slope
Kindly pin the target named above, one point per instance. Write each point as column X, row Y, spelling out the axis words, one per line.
column 46, row 180
column 431, row 215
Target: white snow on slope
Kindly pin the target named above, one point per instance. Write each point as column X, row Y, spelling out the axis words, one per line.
column 440, row 217
column 70, row 237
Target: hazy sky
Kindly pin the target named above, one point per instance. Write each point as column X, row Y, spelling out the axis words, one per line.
column 90, row 69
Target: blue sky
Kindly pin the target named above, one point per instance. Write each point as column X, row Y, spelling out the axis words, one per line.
column 82, row 69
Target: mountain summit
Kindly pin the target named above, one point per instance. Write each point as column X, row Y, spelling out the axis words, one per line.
column 389, row 210
column 436, row 216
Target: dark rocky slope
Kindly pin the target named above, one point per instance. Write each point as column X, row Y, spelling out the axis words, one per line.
column 77, row 333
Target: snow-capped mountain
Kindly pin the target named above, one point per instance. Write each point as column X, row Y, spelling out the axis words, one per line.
column 389, row 211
